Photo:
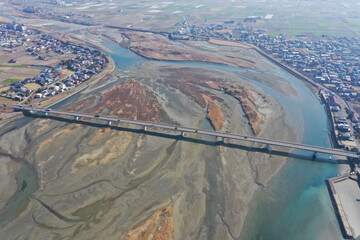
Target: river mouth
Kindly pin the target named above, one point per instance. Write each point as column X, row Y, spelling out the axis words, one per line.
column 299, row 183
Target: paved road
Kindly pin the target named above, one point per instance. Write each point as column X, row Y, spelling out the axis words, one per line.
column 182, row 130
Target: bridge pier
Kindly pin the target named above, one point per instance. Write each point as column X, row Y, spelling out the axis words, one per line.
column 26, row 112
column 314, row 156
column 220, row 140
column 268, row 148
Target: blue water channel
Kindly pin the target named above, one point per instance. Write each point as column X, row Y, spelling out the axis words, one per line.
column 295, row 204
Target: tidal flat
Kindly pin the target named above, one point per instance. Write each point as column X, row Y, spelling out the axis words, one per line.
column 102, row 182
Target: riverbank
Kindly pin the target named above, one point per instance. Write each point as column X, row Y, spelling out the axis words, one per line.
column 267, row 56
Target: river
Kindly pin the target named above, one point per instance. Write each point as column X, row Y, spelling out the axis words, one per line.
column 295, row 204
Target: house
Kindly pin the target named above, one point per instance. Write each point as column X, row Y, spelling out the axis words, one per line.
column 343, row 128
column 333, row 101
column 19, row 97
column 335, row 109
column 344, row 136
column 341, row 120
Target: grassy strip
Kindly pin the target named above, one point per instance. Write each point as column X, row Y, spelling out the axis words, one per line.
column 11, row 80
column 20, row 66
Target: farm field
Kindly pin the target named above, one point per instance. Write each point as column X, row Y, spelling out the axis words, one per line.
column 311, row 18
column 10, row 74
column 7, row 100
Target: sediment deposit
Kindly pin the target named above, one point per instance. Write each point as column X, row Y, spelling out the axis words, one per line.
column 155, row 46
column 109, row 183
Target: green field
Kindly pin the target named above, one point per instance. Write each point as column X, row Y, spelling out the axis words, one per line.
column 20, row 66
column 11, row 80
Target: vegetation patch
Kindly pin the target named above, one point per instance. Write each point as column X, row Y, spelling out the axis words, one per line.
column 20, row 66
column 11, row 80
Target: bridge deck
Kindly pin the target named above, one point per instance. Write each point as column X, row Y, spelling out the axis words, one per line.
column 223, row 135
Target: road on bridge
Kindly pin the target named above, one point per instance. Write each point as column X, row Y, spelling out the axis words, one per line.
column 182, row 130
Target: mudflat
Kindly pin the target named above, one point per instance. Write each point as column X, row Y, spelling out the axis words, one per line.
column 102, row 182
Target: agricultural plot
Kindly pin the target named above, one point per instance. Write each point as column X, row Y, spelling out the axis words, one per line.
column 12, row 74
column 311, row 18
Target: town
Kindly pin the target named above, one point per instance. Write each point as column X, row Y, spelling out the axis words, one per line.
column 52, row 80
column 332, row 62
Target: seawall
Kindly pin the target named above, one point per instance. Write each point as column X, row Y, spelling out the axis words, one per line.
column 339, row 211
column 331, row 127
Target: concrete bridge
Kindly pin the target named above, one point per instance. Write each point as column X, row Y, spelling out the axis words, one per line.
column 81, row 29
column 182, row 130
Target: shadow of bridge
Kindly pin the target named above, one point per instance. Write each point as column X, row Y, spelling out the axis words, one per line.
column 190, row 139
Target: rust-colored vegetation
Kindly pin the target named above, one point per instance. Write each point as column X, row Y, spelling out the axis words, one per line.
column 191, row 83
column 160, row 226
column 214, row 113
column 156, row 46
column 129, row 99
column 247, row 101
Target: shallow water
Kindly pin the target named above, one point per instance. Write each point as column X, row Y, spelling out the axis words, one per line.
column 295, row 205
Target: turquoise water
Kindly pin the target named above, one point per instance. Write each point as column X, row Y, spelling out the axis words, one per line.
column 123, row 58
column 296, row 205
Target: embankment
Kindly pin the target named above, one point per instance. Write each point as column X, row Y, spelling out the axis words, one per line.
column 339, row 211
column 286, row 68
column 267, row 56
column 331, row 124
